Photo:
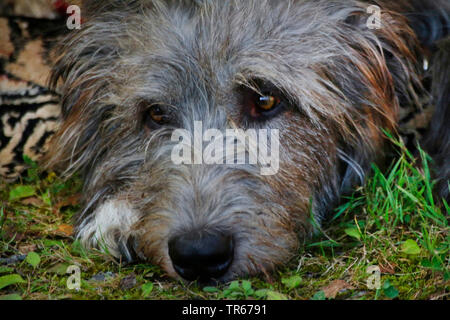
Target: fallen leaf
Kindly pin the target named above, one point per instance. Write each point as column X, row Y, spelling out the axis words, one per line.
column 34, row 201
column 335, row 287
column 65, row 230
column 70, row 201
column 26, row 248
column 389, row 269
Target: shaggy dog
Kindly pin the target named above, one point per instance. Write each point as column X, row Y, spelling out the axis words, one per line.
column 320, row 72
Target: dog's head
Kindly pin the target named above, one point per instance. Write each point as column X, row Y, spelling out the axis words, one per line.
column 307, row 81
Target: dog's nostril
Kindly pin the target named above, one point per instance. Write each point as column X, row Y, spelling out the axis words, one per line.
column 201, row 256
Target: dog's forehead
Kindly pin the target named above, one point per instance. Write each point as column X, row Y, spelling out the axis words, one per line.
column 219, row 45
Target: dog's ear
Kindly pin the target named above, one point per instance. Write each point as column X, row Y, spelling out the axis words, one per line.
column 397, row 49
column 385, row 69
column 83, row 74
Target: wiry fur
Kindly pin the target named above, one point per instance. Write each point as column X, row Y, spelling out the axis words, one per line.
column 344, row 82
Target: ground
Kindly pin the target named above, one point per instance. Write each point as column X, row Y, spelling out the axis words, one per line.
column 387, row 241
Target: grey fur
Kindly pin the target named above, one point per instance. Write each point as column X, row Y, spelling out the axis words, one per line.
column 194, row 57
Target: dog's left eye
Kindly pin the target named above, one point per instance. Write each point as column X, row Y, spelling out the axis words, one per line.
column 267, row 102
column 262, row 104
column 265, row 106
column 157, row 116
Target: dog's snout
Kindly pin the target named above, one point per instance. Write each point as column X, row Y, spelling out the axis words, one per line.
column 201, row 256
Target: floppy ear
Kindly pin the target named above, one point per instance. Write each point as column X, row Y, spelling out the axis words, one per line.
column 82, row 74
column 385, row 68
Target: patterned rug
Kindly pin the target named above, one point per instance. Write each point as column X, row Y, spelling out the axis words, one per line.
column 29, row 111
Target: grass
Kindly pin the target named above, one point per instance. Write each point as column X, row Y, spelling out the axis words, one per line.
column 389, row 240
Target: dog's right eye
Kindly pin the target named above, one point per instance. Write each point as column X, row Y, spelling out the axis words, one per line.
column 157, row 116
column 262, row 102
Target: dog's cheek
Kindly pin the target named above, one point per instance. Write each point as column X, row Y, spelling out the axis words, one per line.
column 308, row 169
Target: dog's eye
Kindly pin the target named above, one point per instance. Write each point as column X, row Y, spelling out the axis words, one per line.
column 267, row 102
column 261, row 100
column 157, row 116
column 263, row 103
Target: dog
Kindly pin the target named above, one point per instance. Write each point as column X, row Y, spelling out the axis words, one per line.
column 318, row 72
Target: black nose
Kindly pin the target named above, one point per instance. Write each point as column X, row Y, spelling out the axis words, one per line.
column 201, row 256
